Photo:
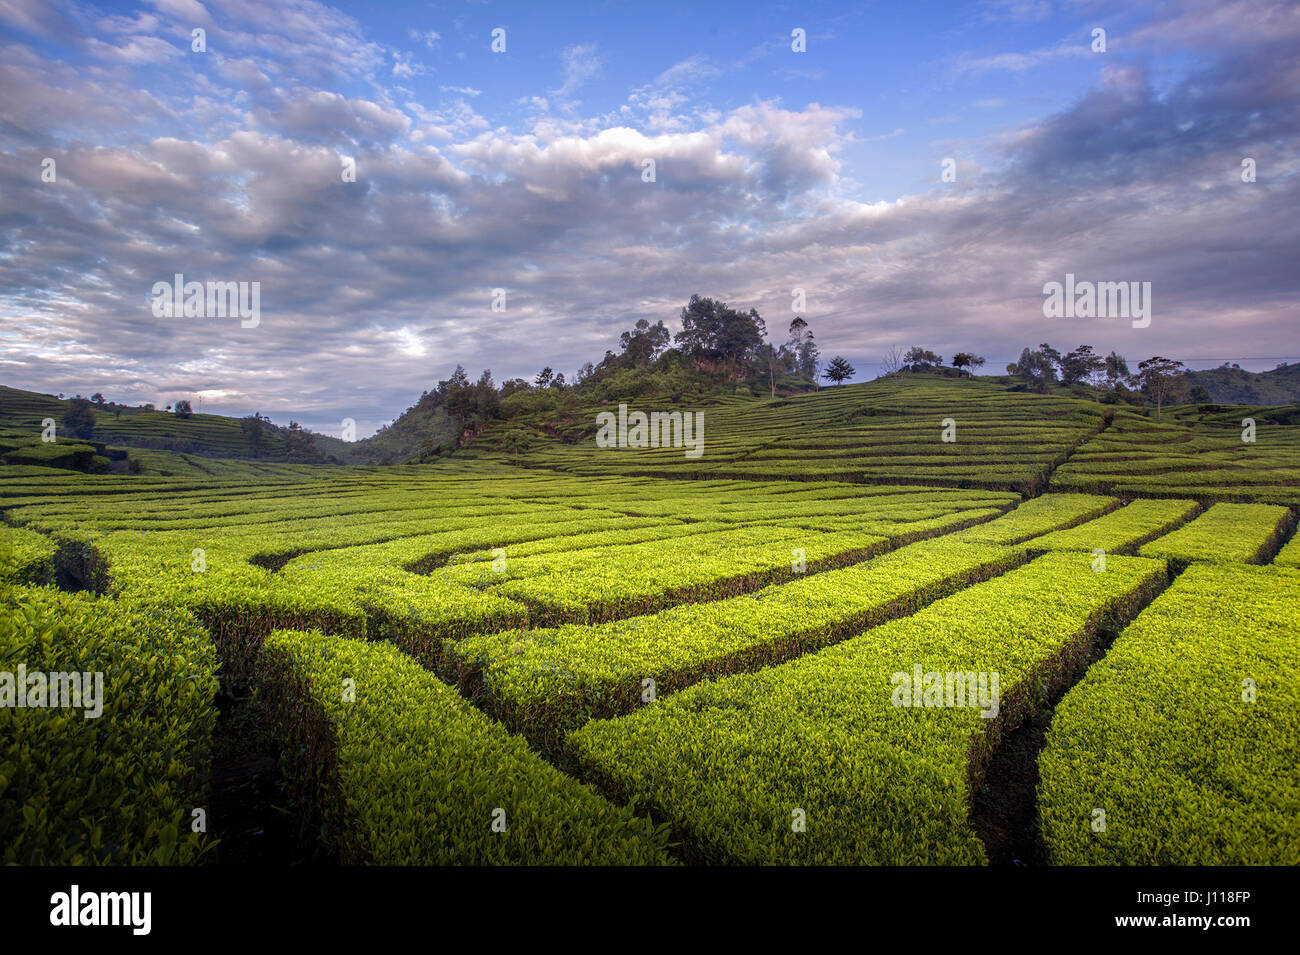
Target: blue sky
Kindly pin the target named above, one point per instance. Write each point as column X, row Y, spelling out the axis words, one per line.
column 521, row 170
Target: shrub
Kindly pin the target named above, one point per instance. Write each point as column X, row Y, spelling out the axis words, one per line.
column 118, row 788
column 406, row 772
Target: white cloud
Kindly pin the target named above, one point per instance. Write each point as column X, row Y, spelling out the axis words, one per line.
column 581, row 63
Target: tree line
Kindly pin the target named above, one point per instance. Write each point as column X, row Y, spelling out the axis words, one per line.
column 1157, row 379
column 717, row 345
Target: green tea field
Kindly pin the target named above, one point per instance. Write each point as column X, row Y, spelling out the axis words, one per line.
column 921, row 621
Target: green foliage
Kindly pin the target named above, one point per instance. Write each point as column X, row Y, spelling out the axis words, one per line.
column 549, row 578
column 1227, row 532
column 838, row 370
column 117, row 788
column 1192, row 453
column 547, row 681
column 1289, row 556
column 1038, row 516
column 719, row 337
column 26, row 557
column 134, row 427
column 79, row 419
column 406, row 772
column 1123, row 530
column 1160, row 736
column 728, row 762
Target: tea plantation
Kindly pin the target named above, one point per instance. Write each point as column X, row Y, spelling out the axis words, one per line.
column 810, row 644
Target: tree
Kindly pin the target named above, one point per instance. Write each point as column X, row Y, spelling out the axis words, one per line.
column 1035, row 368
column 719, row 338
column 964, row 359
column 458, row 396
column 79, row 419
column 300, row 445
column 1199, row 395
column 893, row 361
column 976, row 361
column 544, row 378
column 1080, row 365
column 802, row 348
column 1162, row 379
column 774, row 360
column 921, row 359
column 807, row 358
column 798, row 332
column 515, row 441
column 486, row 399
column 838, row 370
column 183, row 409
column 1116, row 369
column 253, row 429
column 644, row 343
column 1052, row 355
column 98, row 398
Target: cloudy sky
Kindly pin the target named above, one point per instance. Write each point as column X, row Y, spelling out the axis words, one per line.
column 524, row 170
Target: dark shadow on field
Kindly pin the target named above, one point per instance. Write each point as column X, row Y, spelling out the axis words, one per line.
column 250, row 812
column 1004, row 806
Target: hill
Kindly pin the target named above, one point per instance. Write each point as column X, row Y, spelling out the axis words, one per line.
column 216, row 436
column 205, row 434
column 933, row 431
column 1227, row 385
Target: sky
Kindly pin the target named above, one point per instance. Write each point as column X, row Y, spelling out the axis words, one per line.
column 797, row 146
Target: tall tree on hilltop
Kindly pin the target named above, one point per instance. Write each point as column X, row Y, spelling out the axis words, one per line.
column 1116, row 369
column 79, row 418
column 457, row 396
column 1161, row 379
column 644, row 342
column 254, row 430
column 719, row 338
column 839, row 369
column 1035, row 368
column 774, row 360
column 803, row 347
column 1080, row 365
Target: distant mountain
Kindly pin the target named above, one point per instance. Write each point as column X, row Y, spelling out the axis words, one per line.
column 1234, row 386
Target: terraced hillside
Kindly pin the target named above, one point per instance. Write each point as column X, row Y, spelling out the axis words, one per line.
column 882, row 433
column 139, row 427
column 834, row 637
